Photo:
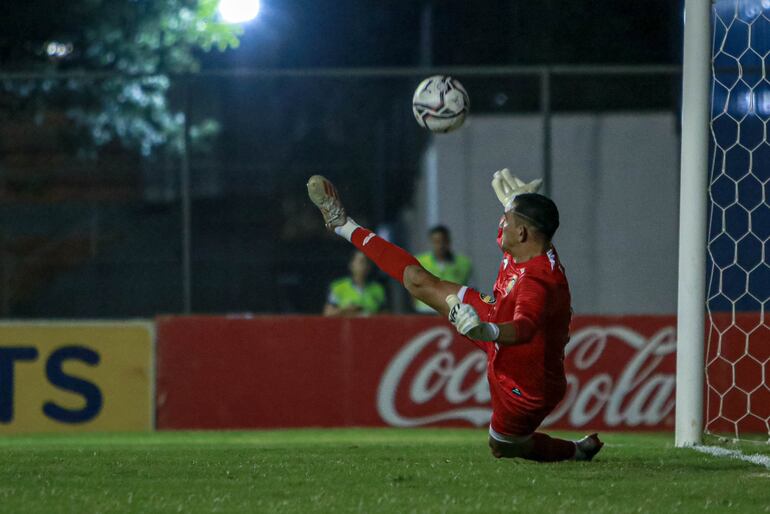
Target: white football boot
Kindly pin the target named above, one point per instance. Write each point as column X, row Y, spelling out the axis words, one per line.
column 324, row 195
column 588, row 447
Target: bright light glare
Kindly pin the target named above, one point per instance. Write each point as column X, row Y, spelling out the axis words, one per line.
column 55, row 49
column 238, row 11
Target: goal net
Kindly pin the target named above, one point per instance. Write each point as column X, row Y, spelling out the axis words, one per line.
column 738, row 279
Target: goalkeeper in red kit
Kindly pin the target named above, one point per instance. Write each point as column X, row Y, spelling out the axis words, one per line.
column 523, row 328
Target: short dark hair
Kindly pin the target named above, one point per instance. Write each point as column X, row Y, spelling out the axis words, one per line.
column 439, row 229
column 538, row 210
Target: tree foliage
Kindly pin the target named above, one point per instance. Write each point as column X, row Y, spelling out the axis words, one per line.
column 126, row 51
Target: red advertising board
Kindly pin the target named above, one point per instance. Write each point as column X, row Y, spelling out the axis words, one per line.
column 291, row 371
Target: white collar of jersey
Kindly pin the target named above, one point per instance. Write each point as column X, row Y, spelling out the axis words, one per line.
column 551, row 257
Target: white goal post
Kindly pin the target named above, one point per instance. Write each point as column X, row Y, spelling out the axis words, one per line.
column 696, row 79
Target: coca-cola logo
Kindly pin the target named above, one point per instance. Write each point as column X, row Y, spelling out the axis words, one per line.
column 616, row 377
column 640, row 394
column 439, row 373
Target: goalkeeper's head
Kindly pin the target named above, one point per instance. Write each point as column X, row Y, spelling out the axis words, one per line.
column 537, row 213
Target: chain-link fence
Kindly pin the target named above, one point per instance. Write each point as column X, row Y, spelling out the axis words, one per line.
column 217, row 220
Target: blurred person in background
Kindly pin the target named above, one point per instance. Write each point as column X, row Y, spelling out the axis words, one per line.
column 355, row 295
column 443, row 263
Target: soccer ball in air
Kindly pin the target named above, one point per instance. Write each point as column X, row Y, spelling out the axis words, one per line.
column 440, row 103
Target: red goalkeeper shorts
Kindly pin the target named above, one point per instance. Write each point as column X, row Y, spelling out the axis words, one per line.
column 512, row 416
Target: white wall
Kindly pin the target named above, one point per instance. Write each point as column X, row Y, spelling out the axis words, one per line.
column 615, row 180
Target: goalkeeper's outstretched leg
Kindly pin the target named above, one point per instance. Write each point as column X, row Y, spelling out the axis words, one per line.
column 522, row 392
column 390, row 258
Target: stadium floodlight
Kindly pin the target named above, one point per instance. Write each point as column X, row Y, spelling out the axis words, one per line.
column 55, row 49
column 238, row 11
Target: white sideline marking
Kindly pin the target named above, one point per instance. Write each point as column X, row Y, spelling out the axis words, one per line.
column 716, row 451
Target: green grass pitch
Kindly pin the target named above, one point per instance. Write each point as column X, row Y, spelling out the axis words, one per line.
column 362, row 470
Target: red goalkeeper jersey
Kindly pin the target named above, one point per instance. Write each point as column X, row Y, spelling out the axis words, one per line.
column 535, row 297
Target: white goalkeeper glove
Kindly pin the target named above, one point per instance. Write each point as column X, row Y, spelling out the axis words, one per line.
column 507, row 187
column 467, row 322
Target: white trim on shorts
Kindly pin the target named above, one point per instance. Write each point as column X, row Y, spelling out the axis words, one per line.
column 510, row 439
column 461, row 293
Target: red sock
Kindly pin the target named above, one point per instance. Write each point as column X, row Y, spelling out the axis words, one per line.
column 390, row 258
column 550, row 449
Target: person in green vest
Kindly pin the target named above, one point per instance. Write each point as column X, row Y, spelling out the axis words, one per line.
column 355, row 295
column 442, row 262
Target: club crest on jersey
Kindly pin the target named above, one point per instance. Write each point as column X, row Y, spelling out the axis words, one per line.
column 512, row 282
column 487, row 298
